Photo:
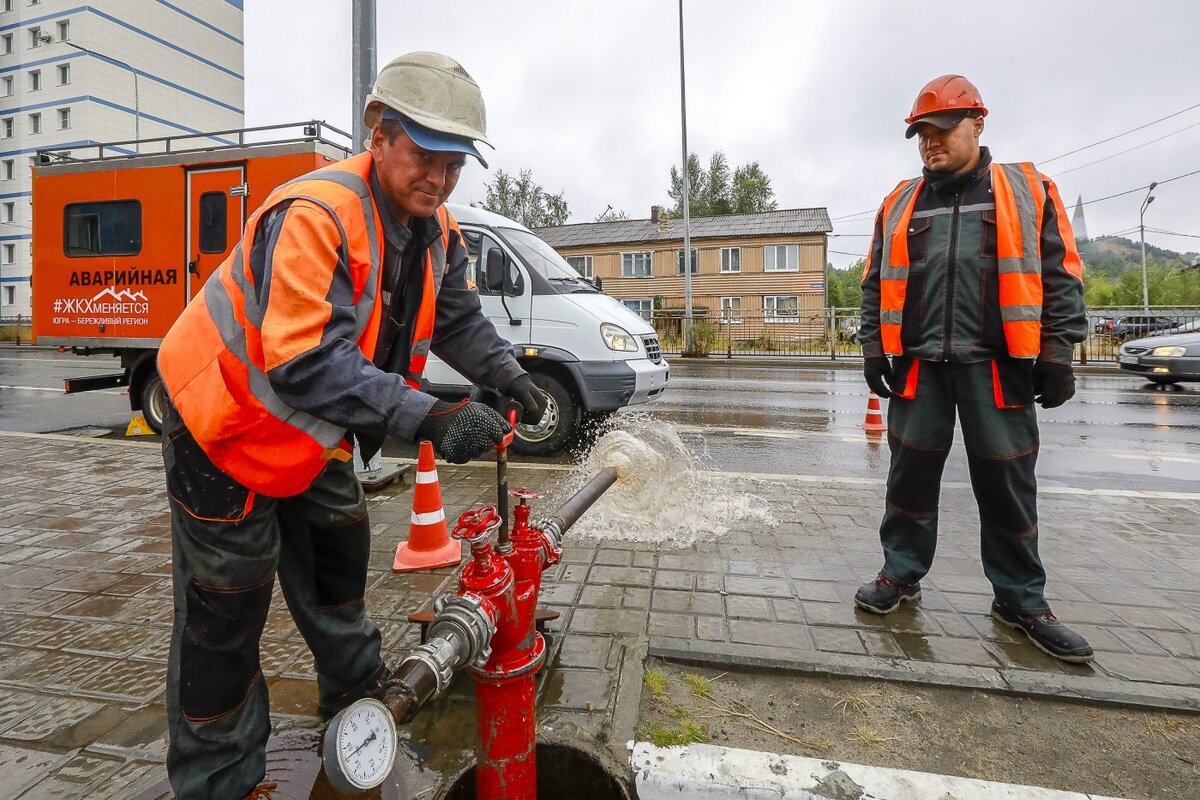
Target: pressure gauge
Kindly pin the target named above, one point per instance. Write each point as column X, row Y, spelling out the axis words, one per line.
column 360, row 746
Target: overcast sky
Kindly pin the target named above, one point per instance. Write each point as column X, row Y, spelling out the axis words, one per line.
column 585, row 93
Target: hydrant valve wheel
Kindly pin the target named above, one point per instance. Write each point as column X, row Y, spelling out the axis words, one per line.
column 524, row 494
column 477, row 524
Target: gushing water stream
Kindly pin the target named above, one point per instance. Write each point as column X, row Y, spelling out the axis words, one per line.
column 661, row 495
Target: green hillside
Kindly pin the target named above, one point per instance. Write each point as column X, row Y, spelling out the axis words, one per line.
column 1112, row 270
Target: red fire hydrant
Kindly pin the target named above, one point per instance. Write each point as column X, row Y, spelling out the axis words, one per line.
column 506, row 581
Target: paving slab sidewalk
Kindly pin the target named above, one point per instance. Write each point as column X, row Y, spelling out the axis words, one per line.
column 85, row 609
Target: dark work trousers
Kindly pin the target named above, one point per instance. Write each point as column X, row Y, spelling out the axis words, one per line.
column 1002, row 448
column 227, row 545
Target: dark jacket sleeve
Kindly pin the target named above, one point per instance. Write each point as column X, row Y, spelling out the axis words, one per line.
column 309, row 332
column 868, row 323
column 1064, row 316
column 463, row 336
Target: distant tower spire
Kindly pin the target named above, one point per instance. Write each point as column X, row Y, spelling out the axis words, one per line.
column 1078, row 222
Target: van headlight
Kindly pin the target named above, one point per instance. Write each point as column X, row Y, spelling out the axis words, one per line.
column 1168, row 352
column 617, row 338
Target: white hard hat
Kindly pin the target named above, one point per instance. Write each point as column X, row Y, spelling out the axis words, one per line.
column 436, row 93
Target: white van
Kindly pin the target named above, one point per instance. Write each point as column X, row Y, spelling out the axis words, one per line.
column 587, row 351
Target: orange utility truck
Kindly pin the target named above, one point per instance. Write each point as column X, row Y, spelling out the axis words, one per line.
column 126, row 233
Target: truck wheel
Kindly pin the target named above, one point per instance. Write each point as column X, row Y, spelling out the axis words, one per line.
column 557, row 428
column 154, row 401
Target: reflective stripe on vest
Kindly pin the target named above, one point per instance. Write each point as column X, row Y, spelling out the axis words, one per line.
column 1019, row 197
column 212, row 360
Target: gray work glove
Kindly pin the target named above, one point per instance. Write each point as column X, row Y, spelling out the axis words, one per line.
column 531, row 398
column 878, row 372
column 1053, row 383
column 463, row 431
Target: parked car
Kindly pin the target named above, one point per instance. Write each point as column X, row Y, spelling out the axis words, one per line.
column 1103, row 326
column 847, row 330
column 1165, row 358
column 1134, row 326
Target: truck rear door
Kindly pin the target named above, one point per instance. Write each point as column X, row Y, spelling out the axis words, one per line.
column 216, row 198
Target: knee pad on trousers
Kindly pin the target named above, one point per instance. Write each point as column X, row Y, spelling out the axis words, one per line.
column 219, row 646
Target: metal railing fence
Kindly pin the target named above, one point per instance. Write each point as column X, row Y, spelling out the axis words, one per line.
column 832, row 333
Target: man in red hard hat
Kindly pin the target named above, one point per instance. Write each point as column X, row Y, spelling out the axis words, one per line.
column 972, row 304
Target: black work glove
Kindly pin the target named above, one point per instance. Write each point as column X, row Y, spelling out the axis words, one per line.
column 531, row 398
column 1053, row 383
column 878, row 372
column 463, row 431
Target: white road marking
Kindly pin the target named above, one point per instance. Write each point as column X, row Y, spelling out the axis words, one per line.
column 54, row 391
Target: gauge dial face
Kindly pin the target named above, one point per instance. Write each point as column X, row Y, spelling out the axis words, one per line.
column 365, row 742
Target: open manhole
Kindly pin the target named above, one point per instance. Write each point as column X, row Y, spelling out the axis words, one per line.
column 563, row 773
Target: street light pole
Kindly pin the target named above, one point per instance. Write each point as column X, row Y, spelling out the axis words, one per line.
column 137, row 107
column 1142, row 227
column 687, row 217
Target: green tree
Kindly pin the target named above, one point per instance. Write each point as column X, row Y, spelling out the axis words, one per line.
column 845, row 286
column 524, row 200
column 717, row 190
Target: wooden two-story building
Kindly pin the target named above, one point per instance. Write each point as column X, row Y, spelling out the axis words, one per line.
column 747, row 269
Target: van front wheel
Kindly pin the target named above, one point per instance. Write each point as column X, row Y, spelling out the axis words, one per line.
column 557, row 427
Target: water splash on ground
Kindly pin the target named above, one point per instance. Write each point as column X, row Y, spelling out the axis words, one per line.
column 662, row 496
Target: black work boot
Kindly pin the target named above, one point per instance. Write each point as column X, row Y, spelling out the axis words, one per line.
column 1046, row 632
column 883, row 595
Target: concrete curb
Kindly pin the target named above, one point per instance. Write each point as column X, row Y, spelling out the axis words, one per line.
column 709, row 772
column 847, row 362
column 959, row 676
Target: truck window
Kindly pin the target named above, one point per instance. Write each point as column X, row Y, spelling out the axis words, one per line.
column 214, row 233
column 112, row 228
column 477, row 243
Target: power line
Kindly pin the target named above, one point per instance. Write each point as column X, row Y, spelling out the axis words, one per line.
column 1140, row 188
column 1173, row 233
column 1129, row 150
column 1118, row 136
column 844, row 253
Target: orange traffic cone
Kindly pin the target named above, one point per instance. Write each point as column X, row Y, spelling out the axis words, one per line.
column 873, row 424
column 429, row 545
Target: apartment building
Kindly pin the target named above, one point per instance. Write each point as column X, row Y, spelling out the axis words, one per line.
column 768, row 267
column 74, row 75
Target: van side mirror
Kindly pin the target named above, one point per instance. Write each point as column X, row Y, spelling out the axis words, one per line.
column 598, row 284
column 495, row 268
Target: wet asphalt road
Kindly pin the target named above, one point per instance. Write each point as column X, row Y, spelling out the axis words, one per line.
column 1117, row 433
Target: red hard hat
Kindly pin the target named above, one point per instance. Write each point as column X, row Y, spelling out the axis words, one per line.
column 947, row 93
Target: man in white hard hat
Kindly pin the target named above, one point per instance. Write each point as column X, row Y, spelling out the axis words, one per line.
column 316, row 329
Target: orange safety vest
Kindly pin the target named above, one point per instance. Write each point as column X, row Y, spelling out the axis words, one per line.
column 1020, row 197
column 215, row 359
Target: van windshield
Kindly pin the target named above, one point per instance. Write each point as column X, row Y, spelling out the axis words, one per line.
column 543, row 259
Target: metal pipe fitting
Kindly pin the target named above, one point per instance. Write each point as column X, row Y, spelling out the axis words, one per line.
column 570, row 512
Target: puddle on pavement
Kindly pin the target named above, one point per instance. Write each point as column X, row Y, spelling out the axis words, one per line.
column 661, row 495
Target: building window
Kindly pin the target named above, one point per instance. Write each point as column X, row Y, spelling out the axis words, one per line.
column 781, row 258
column 645, row 308
column 637, row 265
column 6, row 86
column 64, row 74
column 679, row 262
column 731, row 259
column 7, row 5
column 35, row 123
column 10, row 253
column 781, row 308
column 6, row 43
column 10, row 295
column 731, row 310
column 10, row 212
column 8, row 167
column 582, row 265
column 35, row 80
column 6, row 127
column 35, row 37
column 64, row 30
column 64, row 118
column 112, row 228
